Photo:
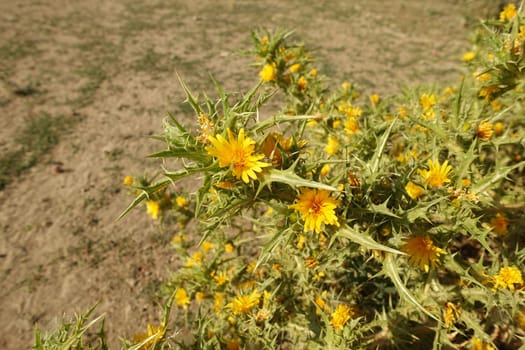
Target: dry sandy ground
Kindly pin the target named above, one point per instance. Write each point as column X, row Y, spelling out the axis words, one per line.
column 107, row 68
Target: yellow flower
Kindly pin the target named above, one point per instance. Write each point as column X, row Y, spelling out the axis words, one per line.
column 232, row 344
column 181, row 298
column 218, row 302
column 485, row 131
column 500, row 224
column 350, row 111
column 374, row 99
column 199, row 297
column 422, row 252
column 351, row 126
column 487, row 92
column 499, row 128
column 178, row 239
column 243, row 304
column 302, row 83
column 181, row 201
column 427, row 101
column 154, row 334
column 468, row 56
column 268, row 73
column 507, row 278
column 341, row 315
column 237, row 153
column 332, row 145
column 311, row 262
column 451, row 314
column 128, row 180
column 508, row 12
column 316, row 207
column 437, row 174
column 153, row 209
column 295, row 67
column 301, row 240
column 402, row 111
column 220, row 278
column 195, row 260
column 477, row 344
column 313, row 73
column 324, row 170
column 228, row 248
column 206, row 246
column 496, row 105
column 413, row 190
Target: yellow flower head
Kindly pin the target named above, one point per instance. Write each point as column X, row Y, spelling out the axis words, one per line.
column 508, row 13
column 237, row 153
column 451, row 314
column 427, row 101
column 229, row 248
column 302, row 83
column 468, row 56
column 485, row 131
column 436, row 175
column 301, row 240
column 332, row 145
column 324, row 170
column 351, row 126
column 218, row 302
column 413, row 190
column 341, row 315
column 206, row 246
column 199, row 297
column 128, row 181
column 220, row 278
column 478, row 344
column 181, row 298
column 295, row 67
column 499, row 128
column 500, row 224
column 316, row 207
column 422, row 252
column 194, row 260
column 181, row 201
column 507, row 278
column 153, row 209
column 243, row 304
column 496, row 106
column 268, row 73
column 374, row 99
column 155, row 333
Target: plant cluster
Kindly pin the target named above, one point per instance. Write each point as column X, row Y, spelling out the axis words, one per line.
column 348, row 221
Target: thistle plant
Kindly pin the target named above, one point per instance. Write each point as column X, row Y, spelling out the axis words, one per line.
column 343, row 221
column 349, row 222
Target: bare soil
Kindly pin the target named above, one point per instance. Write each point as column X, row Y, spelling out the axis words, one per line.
column 107, row 70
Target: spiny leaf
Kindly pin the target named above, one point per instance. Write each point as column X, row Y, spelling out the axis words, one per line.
column 390, row 269
column 290, row 178
column 380, row 149
column 364, row 240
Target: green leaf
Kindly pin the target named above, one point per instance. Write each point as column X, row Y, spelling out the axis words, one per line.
column 492, row 179
column 288, row 177
column 380, row 149
column 383, row 209
column 364, row 240
column 144, row 194
column 390, row 269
